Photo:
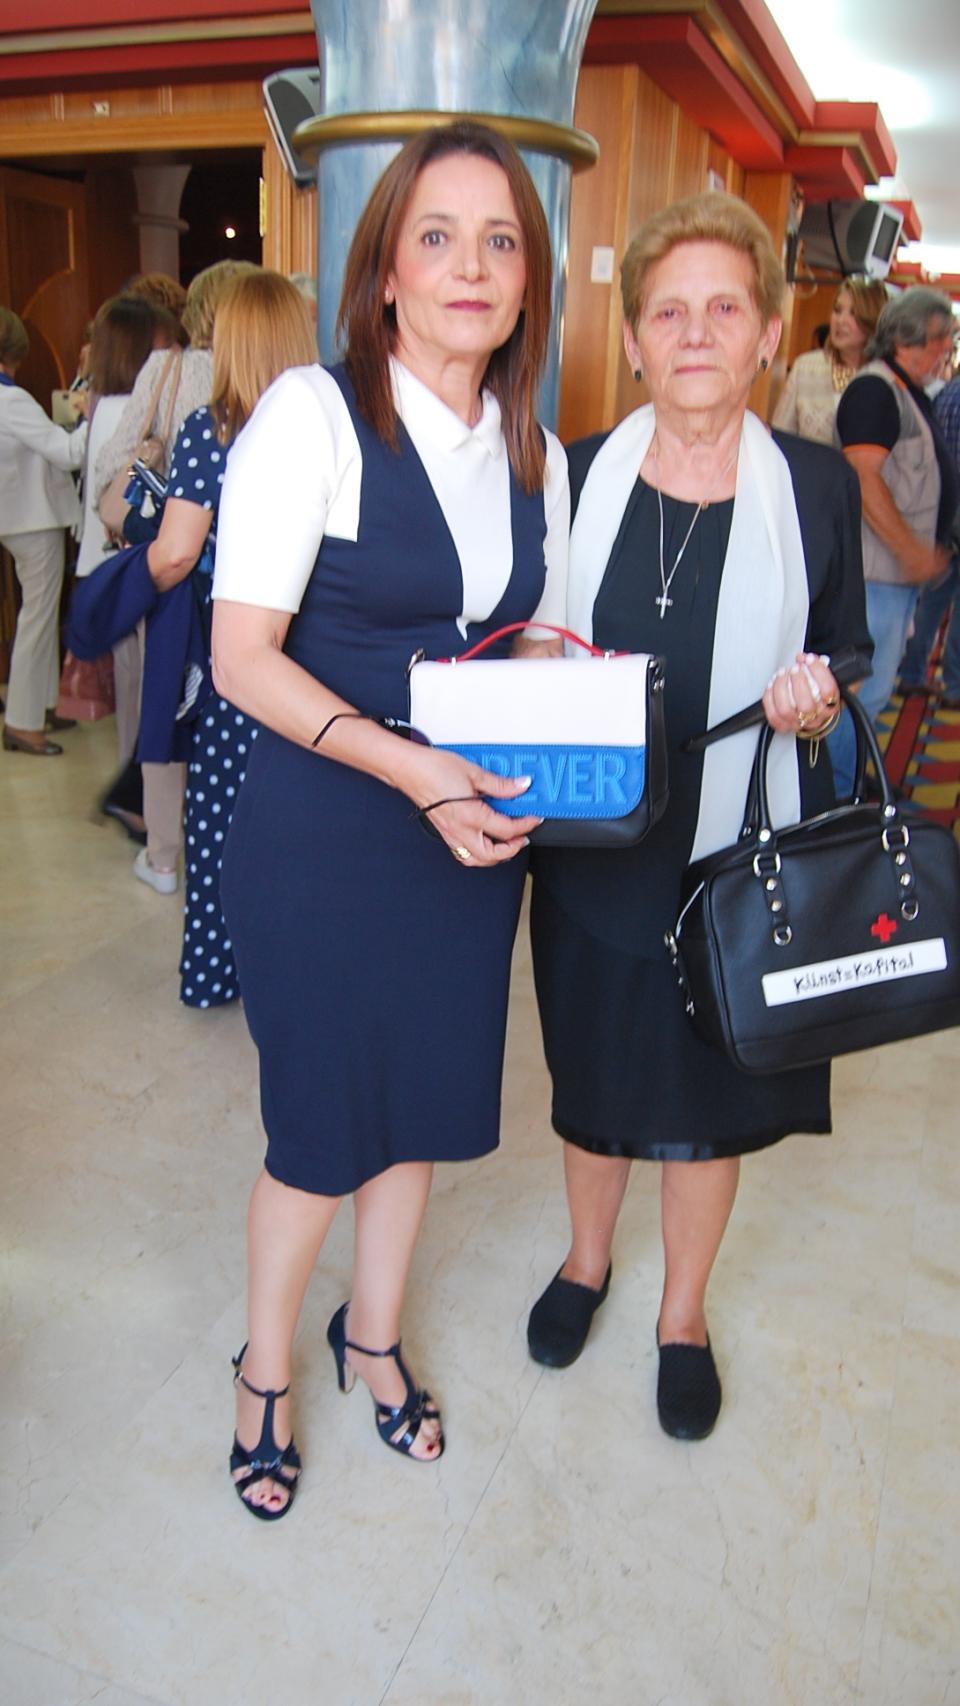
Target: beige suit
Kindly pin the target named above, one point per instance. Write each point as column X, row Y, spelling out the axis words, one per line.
column 37, row 501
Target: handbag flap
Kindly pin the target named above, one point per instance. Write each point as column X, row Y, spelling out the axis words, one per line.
column 578, row 727
column 543, row 701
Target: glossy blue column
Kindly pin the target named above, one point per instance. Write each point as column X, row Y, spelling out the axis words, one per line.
column 514, row 58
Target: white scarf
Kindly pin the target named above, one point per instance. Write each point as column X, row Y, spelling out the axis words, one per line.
column 761, row 612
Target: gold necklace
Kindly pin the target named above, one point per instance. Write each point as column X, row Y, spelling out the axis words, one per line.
column 841, row 375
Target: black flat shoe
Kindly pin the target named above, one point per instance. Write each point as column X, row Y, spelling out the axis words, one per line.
column 688, row 1390
column 53, row 722
column 560, row 1320
column 126, row 820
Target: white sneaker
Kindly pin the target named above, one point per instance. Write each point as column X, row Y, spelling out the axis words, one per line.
column 165, row 882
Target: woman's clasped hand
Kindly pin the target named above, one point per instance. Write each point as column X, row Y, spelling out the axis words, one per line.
column 803, row 698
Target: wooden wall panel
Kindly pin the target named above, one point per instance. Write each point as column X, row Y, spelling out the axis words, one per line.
column 653, row 149
column 658, row 156
column 289, row 218
column 188, row 115
column 811, row 305
column 599, row 217
column 770, row 194
column 650, row 155
column 690, row 159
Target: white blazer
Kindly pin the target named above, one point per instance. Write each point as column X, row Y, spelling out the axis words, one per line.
column 36, row 458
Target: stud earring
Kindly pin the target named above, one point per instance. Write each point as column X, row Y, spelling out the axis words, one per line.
column 638, row 374
column 764, row 364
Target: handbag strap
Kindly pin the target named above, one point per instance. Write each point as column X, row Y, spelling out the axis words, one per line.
column 521, row 627
column 757, row 814
column 174, row 367
column 153, row 404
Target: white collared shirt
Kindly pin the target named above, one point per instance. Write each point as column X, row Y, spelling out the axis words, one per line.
column 295, row 474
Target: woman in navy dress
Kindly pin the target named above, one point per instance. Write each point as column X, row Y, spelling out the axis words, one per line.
column 262, row 328
column 406, row 500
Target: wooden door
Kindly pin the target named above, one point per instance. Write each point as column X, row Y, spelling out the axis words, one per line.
column 43, row 278
column 43, row 273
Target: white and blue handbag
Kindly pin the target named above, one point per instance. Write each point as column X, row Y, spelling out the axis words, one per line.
column 588, row 729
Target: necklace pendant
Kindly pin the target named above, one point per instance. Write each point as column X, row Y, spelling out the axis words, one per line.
column 662, row 601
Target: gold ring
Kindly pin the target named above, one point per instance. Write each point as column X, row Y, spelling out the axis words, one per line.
column 802, row 719
column 832, row 701
column 462, row 853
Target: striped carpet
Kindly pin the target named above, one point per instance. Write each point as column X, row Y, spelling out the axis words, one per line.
column 922, row 753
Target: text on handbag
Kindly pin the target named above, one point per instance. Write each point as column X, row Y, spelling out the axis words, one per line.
column 567, row 781
column 854, row 971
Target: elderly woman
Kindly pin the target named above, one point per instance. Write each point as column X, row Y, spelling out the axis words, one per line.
column 38, row 500
column 808, row 404
column 735, row 555
column 407, row 499
column 909, row 486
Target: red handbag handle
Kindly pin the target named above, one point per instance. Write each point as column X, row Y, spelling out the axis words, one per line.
column 521, row 627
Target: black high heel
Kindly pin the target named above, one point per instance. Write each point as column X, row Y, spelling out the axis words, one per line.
column 266, row 1460
column 410, row 1415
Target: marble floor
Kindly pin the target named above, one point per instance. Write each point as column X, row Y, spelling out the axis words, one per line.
column 565, row 1550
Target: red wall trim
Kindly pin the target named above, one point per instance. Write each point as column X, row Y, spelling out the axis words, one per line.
column 154, row 62
column 23, row 17
column 680, row 60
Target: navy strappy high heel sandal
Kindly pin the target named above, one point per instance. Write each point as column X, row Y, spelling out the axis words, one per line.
column 409, row 1416
column 265, row 1461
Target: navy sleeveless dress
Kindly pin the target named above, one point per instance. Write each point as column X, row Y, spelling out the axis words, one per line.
column 374, row 968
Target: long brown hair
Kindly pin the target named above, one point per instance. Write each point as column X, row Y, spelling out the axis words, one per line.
column 123, row 333
column 367, row 326
column 262, row 328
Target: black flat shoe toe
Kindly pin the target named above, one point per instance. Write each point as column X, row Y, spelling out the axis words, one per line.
column 560, row 1320
column 689, row 1393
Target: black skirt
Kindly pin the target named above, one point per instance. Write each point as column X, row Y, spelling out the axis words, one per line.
column 630, row 1075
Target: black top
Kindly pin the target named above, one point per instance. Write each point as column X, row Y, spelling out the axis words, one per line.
column 868, row 414
column 630, row 898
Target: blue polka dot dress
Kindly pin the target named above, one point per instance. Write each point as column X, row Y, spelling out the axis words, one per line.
column 218, row 760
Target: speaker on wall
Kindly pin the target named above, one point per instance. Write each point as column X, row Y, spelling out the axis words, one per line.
column 844, row 237
column 290, row 98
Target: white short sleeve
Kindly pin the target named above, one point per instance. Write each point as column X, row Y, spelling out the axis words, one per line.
column 296, row 462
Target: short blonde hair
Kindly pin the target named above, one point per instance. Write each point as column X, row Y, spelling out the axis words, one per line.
column 263, row 327
column 204, row 296
column 14, row 342
column 713, row 217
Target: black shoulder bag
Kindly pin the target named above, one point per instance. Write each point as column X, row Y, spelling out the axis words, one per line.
column 834, row 934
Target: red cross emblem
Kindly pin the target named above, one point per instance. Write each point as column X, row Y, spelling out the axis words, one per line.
column 883, row 927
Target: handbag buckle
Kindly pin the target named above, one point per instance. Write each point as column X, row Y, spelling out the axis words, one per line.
column 766, row 864
column 894, row 829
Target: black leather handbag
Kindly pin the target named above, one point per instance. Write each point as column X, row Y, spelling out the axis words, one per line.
column 835, row 934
